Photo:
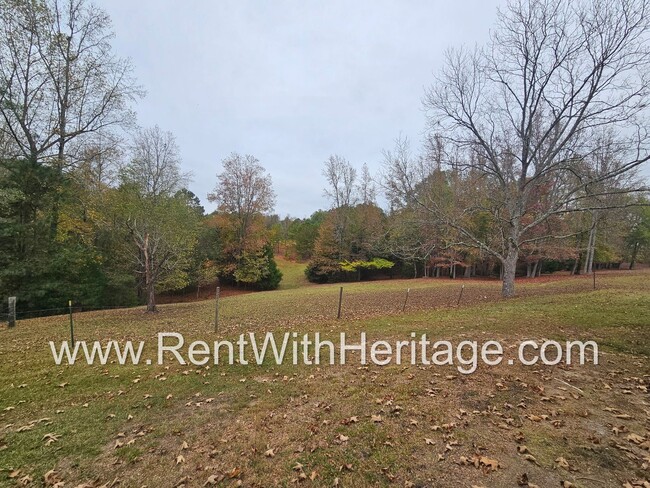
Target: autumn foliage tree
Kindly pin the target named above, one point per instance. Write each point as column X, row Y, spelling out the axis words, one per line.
column 244, row 193
column 353, row 227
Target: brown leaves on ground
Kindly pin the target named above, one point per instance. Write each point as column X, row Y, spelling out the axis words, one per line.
column 352, row 426
column 51, row 478
column 479, row 461
column 496, row 434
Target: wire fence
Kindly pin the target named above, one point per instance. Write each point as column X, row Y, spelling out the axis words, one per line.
column 415, row 296
column 47, row 312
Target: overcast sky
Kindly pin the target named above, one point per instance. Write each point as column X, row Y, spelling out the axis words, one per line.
column 290, row 82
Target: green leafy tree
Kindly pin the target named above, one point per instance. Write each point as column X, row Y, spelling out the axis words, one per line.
column 42, row 272
column 304, row 234
column 258, row 269
column 163, row 233
column 160, row 218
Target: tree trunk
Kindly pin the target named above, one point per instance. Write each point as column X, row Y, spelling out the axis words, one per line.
column 591, row 246
column 148, row 276
column 634, row 253
column 63, row 105
column 151, row 297
column 590, row 260
column 576, row 262
column 509, row 269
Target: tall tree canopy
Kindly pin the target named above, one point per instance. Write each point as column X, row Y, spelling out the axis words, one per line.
column 244, row 190
column 244, row 194
column 527, row 113
column 60, row 81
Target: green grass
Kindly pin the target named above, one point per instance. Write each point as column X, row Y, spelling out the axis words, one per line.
column 298, row 411
column 293, row 274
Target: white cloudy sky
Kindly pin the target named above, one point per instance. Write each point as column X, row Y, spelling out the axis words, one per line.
column 290, row 82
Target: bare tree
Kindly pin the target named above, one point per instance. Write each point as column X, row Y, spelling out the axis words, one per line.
column 60, row 81
column 342, row 191
column 164, row 231
column 341, row 177
column 92, row 88
column 243, row 190
column 25, row 89
column 366, row 188
column 524, row 113
column 155, row 163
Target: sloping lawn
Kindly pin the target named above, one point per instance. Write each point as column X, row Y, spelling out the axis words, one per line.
column 293, row 273
column 398, row 425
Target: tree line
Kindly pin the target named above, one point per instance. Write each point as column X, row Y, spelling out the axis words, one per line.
column 530, row 162
column 359, row 240
column 94, row 208
column 532, row 154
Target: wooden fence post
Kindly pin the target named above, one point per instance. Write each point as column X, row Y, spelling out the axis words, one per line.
column 338, row 315
column 71, row 324
column 11, row 318
column 406, row 299
column 594, row 273
column 216, row 310
column 460, row 295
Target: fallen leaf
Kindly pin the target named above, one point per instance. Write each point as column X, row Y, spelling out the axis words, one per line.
column 531, row 458
column 562, row 463
column 51, row 478
column 213, row 480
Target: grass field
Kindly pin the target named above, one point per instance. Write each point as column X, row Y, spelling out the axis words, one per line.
column 293, row 273
column 351, row 425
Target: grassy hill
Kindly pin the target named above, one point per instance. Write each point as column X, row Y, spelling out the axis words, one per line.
column 293, row 273
column 351, row 425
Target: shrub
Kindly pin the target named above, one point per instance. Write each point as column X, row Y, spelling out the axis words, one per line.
column 323, row 270
column 258, row 269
